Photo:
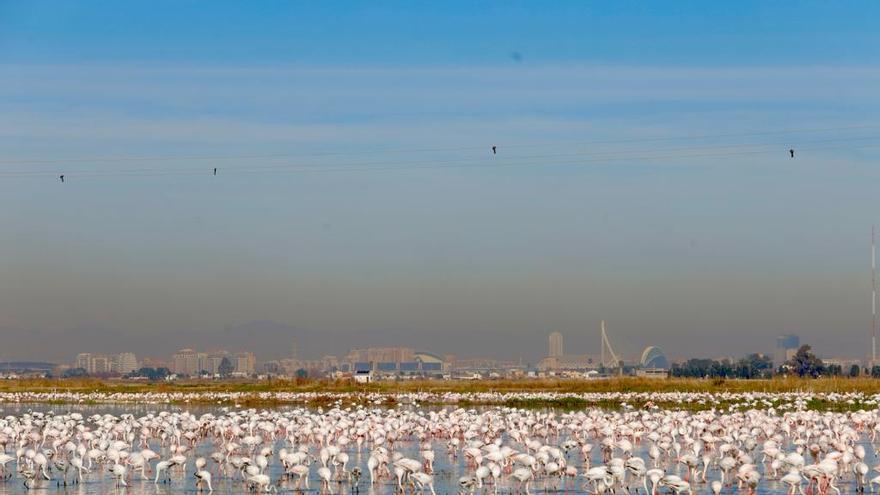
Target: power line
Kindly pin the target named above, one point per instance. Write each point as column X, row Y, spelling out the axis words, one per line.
column 575, row 161
column 470, row 159
column 159, row 158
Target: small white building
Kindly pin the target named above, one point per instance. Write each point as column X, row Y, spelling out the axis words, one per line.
column 652, row 373
column 363, row 376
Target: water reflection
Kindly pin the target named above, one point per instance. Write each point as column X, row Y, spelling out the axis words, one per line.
column 527, row 432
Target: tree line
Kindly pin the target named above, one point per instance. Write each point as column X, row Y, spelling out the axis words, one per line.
column 751, row 366
column 803, row 364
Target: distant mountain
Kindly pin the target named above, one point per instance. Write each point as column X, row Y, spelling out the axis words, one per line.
column 26, row 366
column 265, row 338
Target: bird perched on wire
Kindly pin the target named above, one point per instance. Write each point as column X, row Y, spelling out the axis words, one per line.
column 791, row 152
column 61, row 177
column 494, row 150
column 215, row 170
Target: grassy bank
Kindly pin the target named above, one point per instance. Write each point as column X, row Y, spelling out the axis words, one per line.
column 625, row 384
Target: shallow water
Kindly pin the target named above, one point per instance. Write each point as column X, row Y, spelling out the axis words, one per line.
column 447, row 469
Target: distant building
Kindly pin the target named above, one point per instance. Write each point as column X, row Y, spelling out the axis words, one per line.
column 653, row 358
column 389, row 360
column 12, row 369
column 189, row 362
column 786, row 347
column 125, row 363
column 192, row 363
column 272, row 368
column 570, row 363
column 155, row 363
column 245, row 363
column 314, row 367
column 214, row 359
column 363, row 376
column 101, row 364
column 652, row 373
column 329, row 363
column 83, row 361
column 430, row 362
column 482, row 364
column 381, row 355
column 556, row 349
column 845, row 363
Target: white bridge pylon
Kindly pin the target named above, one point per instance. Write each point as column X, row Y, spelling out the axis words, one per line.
column 609, row 357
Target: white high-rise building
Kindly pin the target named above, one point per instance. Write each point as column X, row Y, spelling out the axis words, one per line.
column 84, row 361
column 189, row 362
column 245, row 363
column 100, row 363
column 215, row 359
column 125, row 363
column 556, row 344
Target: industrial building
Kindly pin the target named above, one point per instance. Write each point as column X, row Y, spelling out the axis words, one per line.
column 393, row 360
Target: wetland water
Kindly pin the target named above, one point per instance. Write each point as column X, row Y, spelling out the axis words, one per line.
column 544, row 447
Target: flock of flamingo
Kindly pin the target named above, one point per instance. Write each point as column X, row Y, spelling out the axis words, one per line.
column 779, row 400
column 410, row 449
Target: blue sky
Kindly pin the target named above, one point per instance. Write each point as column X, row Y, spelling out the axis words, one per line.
column 456, row 33
column 642, row 176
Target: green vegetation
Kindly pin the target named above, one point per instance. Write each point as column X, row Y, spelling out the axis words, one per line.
column 150, row 373
column 749, row 367
column 805, row 364
column 226, row 368
column 866, row 385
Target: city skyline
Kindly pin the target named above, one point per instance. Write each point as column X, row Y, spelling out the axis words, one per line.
column 408, row 247
column 320, row 173
column 270, row 341
column 192, row 362
column 395, row 363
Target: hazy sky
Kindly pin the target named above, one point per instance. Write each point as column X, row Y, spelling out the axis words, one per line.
column 642, row 175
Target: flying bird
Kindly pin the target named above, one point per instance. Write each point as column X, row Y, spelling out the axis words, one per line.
column 61, row 177
column 791, row 152
column 494, row 150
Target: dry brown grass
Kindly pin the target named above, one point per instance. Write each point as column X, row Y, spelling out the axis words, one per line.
column 632, row 384
column 865, row 385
